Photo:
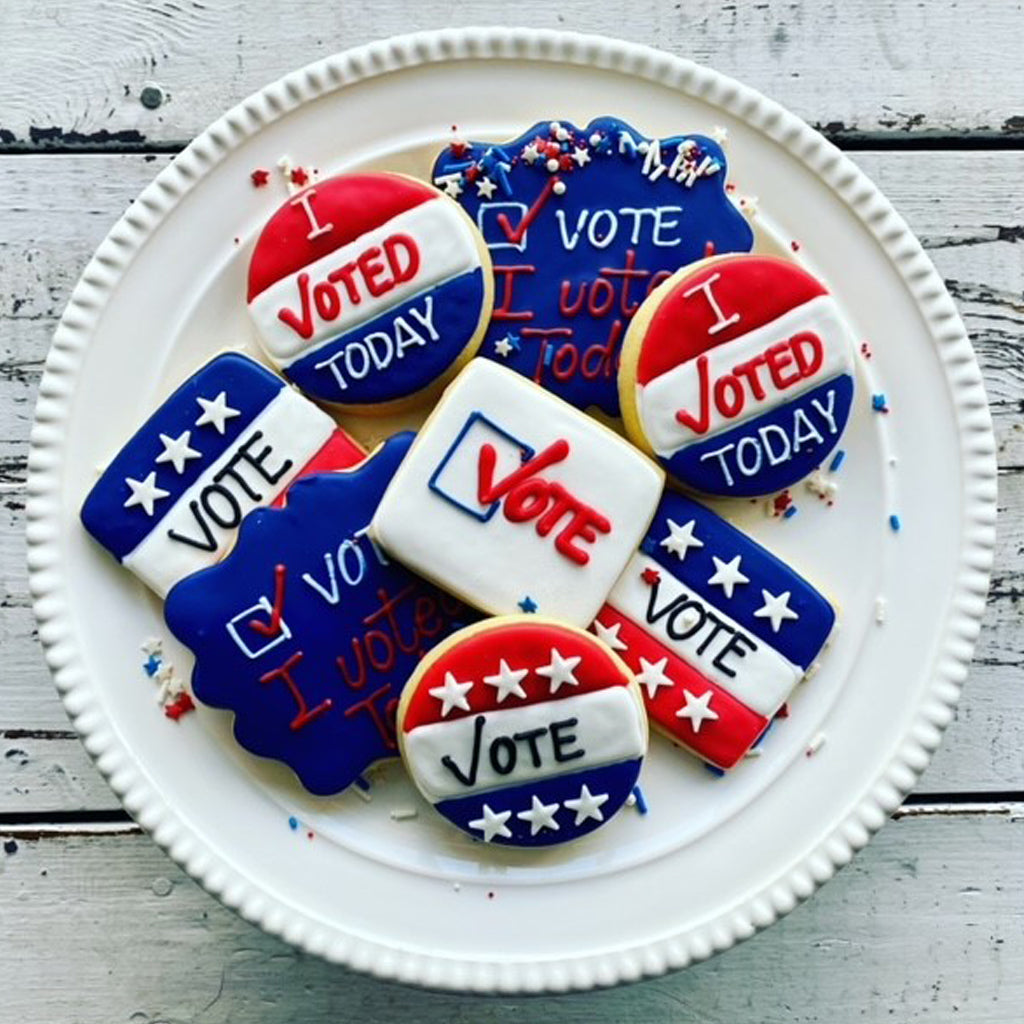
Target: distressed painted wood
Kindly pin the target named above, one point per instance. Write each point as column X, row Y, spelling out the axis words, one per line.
column 924, row 925
column 880, row 70
column 963, row 205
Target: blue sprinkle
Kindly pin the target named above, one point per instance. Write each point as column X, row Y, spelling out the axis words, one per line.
column 837, row 460
column 641, row 803
column 549, row 354
column 714, row 769
column 293, row 823
column 528, row 605
column 152, row 666
column 878, row 403
column 362, row 783
column 500, row 171
column 790, row 512
column 456, row 168
column 894, row 522
column 513, row 340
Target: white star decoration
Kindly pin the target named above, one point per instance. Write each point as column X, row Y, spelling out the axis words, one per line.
column 492, row 824
column 450, row 184
column 144, row 493
column 719, row 134
column 727, row 575
column 775, row 609
column 652, row 675
column 503, row 346
column 216, row 412
column 152, row 646
column 530, row 153
column 587, row 805
column 681, row 538
column 610, row 635
column 581, row 156
column 540, row 815
column 485, row 187
column 560, row 670
column 507, row 680
column 177, row 451
column 697, row 709
column 452, row 694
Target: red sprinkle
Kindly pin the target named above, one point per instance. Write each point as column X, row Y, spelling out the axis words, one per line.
column 181, row 705
column 260, row 177
column 783, row 712
column 650, row 577
column 299, row 177
column 730, row 187
column 781, row 502
column 459, row 148
column 709, row 248
column 472, row 173
column 794, row 245
column 865, row 350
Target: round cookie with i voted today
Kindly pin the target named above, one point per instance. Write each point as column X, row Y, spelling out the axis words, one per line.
column 368, row 291
column 523, row 731
column 737, row 375
column 231, row 438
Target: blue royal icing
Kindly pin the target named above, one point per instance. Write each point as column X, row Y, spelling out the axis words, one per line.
column 338, row 630
column 571, row 266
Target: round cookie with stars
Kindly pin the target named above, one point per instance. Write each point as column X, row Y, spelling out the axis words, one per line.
column 370, row 291
column 737, row 375
column 523, row 731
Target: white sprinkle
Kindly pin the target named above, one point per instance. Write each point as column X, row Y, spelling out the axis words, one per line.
column 880, row 609
column 362, row 794
column 892, row 460
column 561, row 134
column 404, row 813
column 555, row 127
column 457, row 886
column 631, row 800
column 595, row 139
column 643, row 147
column 552, row 165
column 817, row 742
column 753, row 752
column 559, row 188
column 812, row 671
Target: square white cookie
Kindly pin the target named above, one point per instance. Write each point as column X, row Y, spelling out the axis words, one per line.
column 515, row 501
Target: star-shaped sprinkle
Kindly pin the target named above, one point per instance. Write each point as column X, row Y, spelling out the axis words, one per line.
column 154, row 645
column 528, row 605
column 540, row 815
column 581, row 156
column 650, row 576
column 298, row 177
column 260, row 177
column 697, row 709
column 492, row 824
column 144, row 493
column 531, row 154
column 587, row 805
column 681, row 538
column 727, row 575
column 485, row 187
column 652, row 675
column 560, row 670
column 507, row 680
column 775, row 609
column 177, row 451
column 181, row 705
column 452, row 694
column 610, row 635
column 450, row 183
column 719, row 134
column 502, row 347
column 152, row 665
column 749, row 205
column 216, row 412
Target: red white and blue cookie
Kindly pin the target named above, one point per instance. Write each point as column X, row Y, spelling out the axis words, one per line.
column 737, row 374
column 582, row 223
column 231, row 438
column 514, row 500
column 369, row 290
column 717, row 629
column 523, row 731
column 307, row 631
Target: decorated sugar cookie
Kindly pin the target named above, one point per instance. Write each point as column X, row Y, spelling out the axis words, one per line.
column 523, row 731
column 515, row 501
column 231, row 438
column 307, row 631
column 582, row 224
column 369, row 290
column 737, row 374
column 717, row 630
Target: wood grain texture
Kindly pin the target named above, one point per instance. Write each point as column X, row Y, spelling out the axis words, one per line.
column 107, row 929
column 881, row 70
column 963, row 205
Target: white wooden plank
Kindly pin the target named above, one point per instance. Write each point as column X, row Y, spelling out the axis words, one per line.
column 75, row 73
column 963, row 205
column 924, row 925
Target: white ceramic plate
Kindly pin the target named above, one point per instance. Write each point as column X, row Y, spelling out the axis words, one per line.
column 714, row 859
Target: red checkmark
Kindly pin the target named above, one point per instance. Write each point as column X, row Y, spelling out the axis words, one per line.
column 273, row 627
column 515, row 235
